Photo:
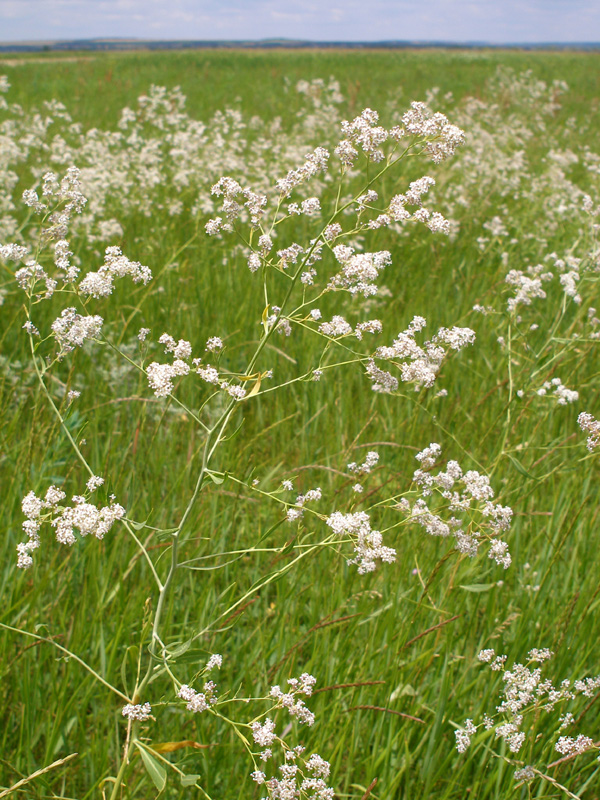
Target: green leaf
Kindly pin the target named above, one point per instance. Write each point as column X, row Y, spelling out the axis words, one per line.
column 288, row 546
column 520, row 468
column 138, row 526
column 154, row 768
column 189, row 780
column 218, row 479
column 180, row 649
column 478, row 587
column 131, row 650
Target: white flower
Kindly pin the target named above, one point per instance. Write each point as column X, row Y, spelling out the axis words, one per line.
column 214, row 344
column 486, row 655
column 72, row 330
column 139, row 712
column 94, row 482
column 463, row 736
column 215, row 660
column 264, row 735
column 371, row 459
column 368, row 544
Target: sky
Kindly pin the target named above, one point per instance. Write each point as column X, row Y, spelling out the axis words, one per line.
column 495, row 21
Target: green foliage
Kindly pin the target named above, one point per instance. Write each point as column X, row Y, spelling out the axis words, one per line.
column 395, row 652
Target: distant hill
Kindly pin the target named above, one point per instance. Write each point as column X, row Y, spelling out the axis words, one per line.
column 292, row 44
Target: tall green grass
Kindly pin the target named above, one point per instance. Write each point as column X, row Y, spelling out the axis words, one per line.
column 402, row 641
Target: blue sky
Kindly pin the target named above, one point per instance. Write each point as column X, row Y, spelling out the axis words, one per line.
column 350, row 20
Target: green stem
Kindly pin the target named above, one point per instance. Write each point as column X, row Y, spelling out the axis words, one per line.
column 128, row 750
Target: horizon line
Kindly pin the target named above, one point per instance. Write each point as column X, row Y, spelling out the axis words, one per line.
column 289, row 42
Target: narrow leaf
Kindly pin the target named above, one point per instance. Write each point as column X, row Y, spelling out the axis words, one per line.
column 255, row 389
column 478, row 587
column 170, row 747
column 520, row 468
column 138, row 526
column 154, row 768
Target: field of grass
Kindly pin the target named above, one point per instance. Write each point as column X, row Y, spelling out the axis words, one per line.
column 394, row 651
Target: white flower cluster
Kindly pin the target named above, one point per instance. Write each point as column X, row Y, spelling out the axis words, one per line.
column 264, row 735
column 590, row 425
column 435, row 221
column 568, row 281
column 161, row 376
column 30, row 274
column 559, row 390
column 64, row 195
column 466, row 493
column 30, row 328
column 486, row 656
column 180, row 349
column 525, row 774
column 294, row 783
column 364, row 133
column 315, row 162
column 94, row 483
column 214, row 344
column 87, row 519
column 339, row 327
column 397, row 211
column 310, row 207
column 381, row 380
column 215, row 660
column 71, row 329
column 539, row 654
column 82, row 516
column 62, row 260
column 569, row 746
column 463, row 735
column 290, row 700
column 359, row 270
column 524, row 691
column 296, row 511
column 496, row 226
column 229, row 189
column 197, row 702
column 368, row 326
column 116, row 265
column 443, row 137
column 67, row 190
column 368, row 544
column 371, row 460
column 422, row 363
column 12, row 252
column 281, row 324
column 332, row 231
column 528, row 286
column 140, row 712
column 288, row 256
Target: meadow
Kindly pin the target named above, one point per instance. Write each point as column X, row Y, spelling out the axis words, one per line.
column 236, row 523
